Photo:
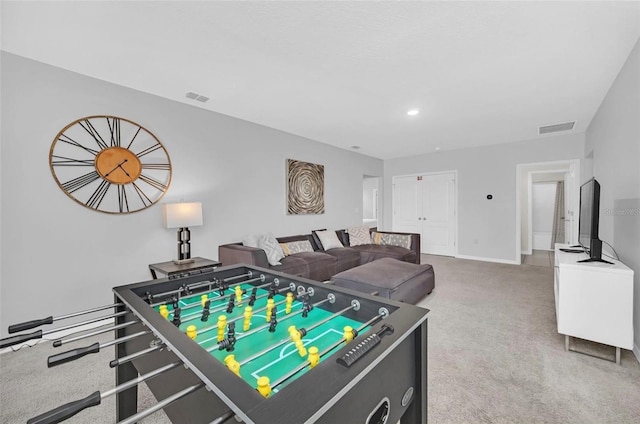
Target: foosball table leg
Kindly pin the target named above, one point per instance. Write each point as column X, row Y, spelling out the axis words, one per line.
column 127, row 400
column 417, row 411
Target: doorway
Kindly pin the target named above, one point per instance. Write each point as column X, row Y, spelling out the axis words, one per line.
column 426, row 204
column 370, row 201
column 546, row 178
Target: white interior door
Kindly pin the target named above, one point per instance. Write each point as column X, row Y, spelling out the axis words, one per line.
column 438, row 214
column 405, row 205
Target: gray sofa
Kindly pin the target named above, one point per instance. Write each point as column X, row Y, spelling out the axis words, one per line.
column 321, row 265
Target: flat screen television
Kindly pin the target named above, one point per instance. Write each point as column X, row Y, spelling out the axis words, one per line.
column 590, row 220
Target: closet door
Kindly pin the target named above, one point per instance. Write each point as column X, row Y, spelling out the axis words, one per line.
column 405, row 205
column 438, row 214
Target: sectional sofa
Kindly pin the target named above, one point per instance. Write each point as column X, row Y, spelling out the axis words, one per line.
column 320, row 264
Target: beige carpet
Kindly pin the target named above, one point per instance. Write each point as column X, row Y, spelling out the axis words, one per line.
column 494, row 357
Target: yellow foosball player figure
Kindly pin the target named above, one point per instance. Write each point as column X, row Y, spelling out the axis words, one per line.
column 191, row 332
column 263, row 386
column 222, row 325
column 164, row 311
column 314, row 356
column 238, row 296
column 296, row 337
column 203, row 299
column 289, row 303
column 232, row 364
column 270, row 304
column 248, row 313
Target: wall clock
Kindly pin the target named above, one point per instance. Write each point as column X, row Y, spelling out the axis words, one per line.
column 110, row 164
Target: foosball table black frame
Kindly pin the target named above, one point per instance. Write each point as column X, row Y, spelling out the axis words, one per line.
column 394, row 371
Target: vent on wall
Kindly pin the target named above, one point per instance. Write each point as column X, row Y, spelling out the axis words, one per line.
column 566, row 126
column 196, row 96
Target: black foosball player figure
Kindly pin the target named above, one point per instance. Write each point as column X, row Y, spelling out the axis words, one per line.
column 272, row 290
column 252, row 298
column 306, row 306
column 206, row 311
column 176, row 317
column 174, row 303
column 222, row 287
column 274, row 322
column 229, row 342
column 185, row 290
column 230, row 305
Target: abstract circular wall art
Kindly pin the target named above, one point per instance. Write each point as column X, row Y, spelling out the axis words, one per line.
column 305, row 188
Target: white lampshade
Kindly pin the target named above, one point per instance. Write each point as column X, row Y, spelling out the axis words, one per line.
column 180, row 215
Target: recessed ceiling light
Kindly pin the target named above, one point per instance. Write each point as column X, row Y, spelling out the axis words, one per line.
column 413, row 112
column 355, row 147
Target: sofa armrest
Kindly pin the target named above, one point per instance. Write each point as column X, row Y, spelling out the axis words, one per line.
column 415, row 241
column 237, row 253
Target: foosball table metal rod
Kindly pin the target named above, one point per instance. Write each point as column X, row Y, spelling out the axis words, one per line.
column 28, row 325
column 223, row 418
column 38, row 334
column 71, row 355
column 160, row 405
column 60, row 342
column 70, row 409
column 129, row 358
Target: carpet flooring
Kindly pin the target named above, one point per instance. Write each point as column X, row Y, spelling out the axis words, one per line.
column 494, row 357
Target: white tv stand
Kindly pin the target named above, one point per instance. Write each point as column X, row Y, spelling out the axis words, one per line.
column 594, row 300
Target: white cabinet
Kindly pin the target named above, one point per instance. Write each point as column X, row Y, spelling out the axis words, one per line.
column 594, row 301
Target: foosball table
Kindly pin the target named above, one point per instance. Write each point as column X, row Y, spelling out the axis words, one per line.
column 246, row 344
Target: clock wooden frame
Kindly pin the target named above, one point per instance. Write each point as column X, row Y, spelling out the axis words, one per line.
column 110, row 164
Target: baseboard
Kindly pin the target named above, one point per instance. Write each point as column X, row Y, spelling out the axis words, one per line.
column 57, row 335
column 636, row 352
column 479, row 258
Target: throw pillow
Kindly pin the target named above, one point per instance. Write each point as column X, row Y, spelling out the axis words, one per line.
column 296, row 247
column 358, row 236
column 329, row 239
column 376, row 238
column 402, row 240
column 272, row 248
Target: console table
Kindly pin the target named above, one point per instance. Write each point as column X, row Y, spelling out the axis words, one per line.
column 594, row 301
column 173, row 270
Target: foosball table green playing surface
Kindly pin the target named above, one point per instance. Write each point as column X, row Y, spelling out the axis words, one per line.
column 264, row 333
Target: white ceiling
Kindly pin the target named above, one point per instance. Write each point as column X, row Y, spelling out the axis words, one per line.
column 345, row 73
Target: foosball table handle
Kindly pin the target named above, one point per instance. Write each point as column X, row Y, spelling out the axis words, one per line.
column 67, row 411
column 28, row 325
column 72, row 355
column 20, row 338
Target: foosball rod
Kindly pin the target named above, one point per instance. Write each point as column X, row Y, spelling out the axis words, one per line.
column 302, row 366
column 160, row 405
column 262, row 327
column 208, row 283
column 74, row 354
column 220, row 299
column 223, row 418
column 129, row 358
column 70, row 409
column 38, row 334
column 28, row 325
column 60, row 342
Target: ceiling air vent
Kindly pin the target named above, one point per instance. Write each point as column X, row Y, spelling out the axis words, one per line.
column 566, row 126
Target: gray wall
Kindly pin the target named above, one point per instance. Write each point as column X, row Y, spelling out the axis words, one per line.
column 613, row 138
column 486, row 228
column 59, row 257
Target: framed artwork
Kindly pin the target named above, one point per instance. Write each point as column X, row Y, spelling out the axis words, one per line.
column 305, row 188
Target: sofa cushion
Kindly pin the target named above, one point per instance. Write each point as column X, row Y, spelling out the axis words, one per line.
column 371, row 252
column 359, row 236
column 346, row 256
column 293, row 265
column 321, row 266
column 328, row 239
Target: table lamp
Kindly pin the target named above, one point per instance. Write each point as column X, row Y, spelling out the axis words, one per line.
column 182, row 216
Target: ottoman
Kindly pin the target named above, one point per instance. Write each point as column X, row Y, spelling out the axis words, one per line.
column 402, row 281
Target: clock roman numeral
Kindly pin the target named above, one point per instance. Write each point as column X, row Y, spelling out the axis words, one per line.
column 143, row 197
column 149, row 150
column 153, row 182
column 98, row 195
column 66, row 139
column 79, row 182
column 88, row 127
column 133, row 138
column 158, row 166
column 123, row 203
column 114, row 127
column 65, row 161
